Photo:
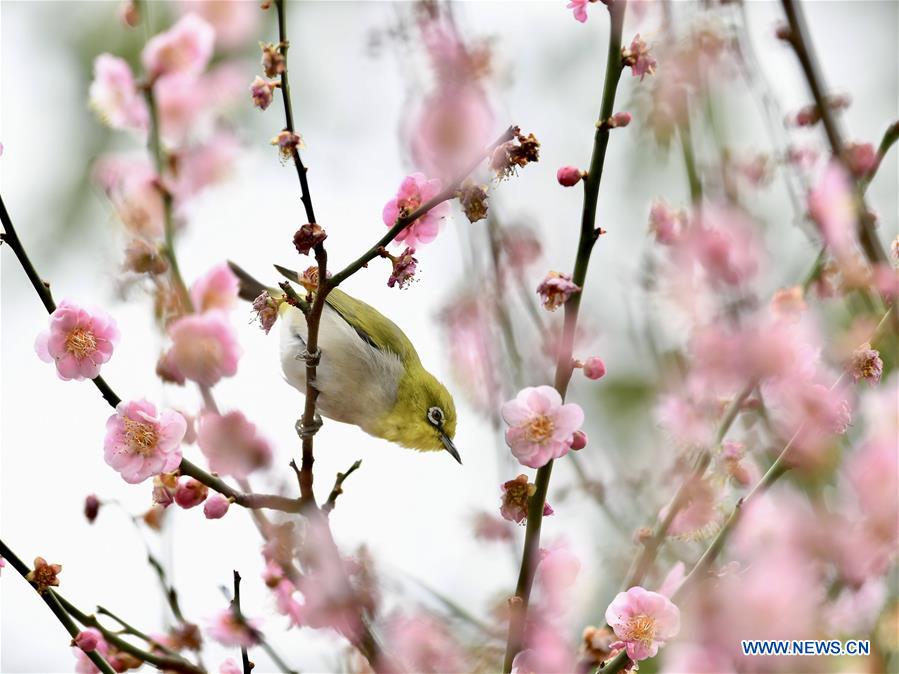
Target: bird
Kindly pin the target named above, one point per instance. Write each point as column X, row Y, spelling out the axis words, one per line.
column 369, row 373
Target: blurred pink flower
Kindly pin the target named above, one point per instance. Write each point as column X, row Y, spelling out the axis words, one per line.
column 861, row 158
column 83, row 664
column 639, row 59
column 183, row 103
column 423, row 644
column 114, row 97
column 228, row 630
column 133, row 188
column 229, row 666
column 579, row 8
column 288, row 604
column 190, row 492
column 202, row 165
column 469, row 335
column 88, row 640
column 831, row 204
column 453, row 125
column 666, row 224
column 873, row 475
column 696, row 659
column 867, row 364
column 723, row 243
column 698, row 518
column 546, row 651
column 232, row 445
column 569, row 176
column 555, row 290
column 217, row 289
column 414, row 191
column 141, row 443
column 204, row 347
column 78, row 341
column 557, row 572
column 185, row 47
column 521, row 245
column 812, row 412
column 854, row 612
column 235, row 22
column 540, row 425
column 643, row 621
column 489, row 527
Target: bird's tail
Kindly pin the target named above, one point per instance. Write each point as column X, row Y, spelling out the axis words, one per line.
column 250, row 288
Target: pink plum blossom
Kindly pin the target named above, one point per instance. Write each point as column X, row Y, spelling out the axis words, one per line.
column 183, row 105
column 723, row 244
column 88, row 640
column 424, row 644
column 831, row 204
column 83, row 664
column 287, row 601
column 643, row 621
column 232, row 445
column 228, row 630
column 229, row 666
column 204, row 164
column 141, row 443
column 190, row 492
column 204, row 348
column 639, row 59
column 78, row 341
column 133, row 188
column 579, row 8
column 234, row 22
column 665, row 223
column 594, row 368
column 113, row 94
column 262, row 92
column 217, row 289
column 540, row 425
column 414, row 191
column 216, row 507
column 568, row 176
column 185, row 47
column 555, row 290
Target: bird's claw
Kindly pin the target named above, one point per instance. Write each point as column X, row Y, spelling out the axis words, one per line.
column 311, row 359
column 311, row 429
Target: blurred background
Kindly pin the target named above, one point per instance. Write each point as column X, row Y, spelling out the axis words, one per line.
column 360, row 72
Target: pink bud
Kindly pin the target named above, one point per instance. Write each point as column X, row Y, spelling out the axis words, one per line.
column 215, row 507
column 91, row 507
column 594, row 368
column 190, row 492
column 568, row 176
column 619, row 120
column 87, row 640
column 578, row 441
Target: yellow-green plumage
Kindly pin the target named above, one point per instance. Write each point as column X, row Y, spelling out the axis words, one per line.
column 369, row 375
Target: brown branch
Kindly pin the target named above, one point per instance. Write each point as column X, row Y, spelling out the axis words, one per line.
column 337, row 490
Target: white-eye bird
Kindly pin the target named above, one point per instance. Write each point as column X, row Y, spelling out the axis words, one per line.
column 369, row 374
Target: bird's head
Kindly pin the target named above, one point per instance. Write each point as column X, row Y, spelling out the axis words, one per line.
column 424, row 415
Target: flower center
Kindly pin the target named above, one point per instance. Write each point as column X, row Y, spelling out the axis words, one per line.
column 142, row 437
column 539, row 429
column 641, row 628
column 81, row 343
column 409, row 205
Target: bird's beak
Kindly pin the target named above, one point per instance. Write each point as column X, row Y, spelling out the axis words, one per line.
column 450, row 447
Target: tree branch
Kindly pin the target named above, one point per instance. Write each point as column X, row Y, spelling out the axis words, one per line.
column 337, row 490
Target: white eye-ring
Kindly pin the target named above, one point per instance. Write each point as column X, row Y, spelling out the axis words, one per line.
column 435, row 416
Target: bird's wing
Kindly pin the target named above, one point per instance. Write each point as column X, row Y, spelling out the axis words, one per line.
column 372, row 326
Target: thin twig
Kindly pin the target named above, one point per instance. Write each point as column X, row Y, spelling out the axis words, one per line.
column 235, row 604
column 337, row 490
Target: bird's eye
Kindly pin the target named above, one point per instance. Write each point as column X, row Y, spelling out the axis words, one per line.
column 435, row 416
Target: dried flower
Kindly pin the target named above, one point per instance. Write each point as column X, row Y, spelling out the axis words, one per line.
column 540, row 425
column 414, row 191
column 308, row 237
column 287, row 144
column 91, row 507
column 473, row 199
column 273, row 62
column 263, row 92
column 142, row 257
column 639, row 59
column 514, row 502
column 404, row 267
column 643, row 621
column 216, row 506
column 515, row 154
column 569, row 176
column 555, row 290
column 596, row 646
column 141, row 443
column 265, row 308
column 866, row 364
column 78, row 341
column 43, row 575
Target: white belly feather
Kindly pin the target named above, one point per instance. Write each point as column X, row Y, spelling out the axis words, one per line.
column 357, row 383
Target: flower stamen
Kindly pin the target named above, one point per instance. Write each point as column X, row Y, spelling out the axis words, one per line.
column 81, row 343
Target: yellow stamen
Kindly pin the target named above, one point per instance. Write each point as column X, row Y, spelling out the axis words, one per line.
column 539, row 429
column 81, row 343
column 142, row 437
column 641, row 628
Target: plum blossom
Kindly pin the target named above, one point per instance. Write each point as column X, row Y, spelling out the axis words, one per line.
column 643, row 621
column 204, row 348
column 229, row 666
column 288, row 143
column 232, row 445
column 227, row 629
column 866, row 363
column 133, row 188
column 234, row 22
column 44, row 575
column 262, row 92
column 403, row 268
column 540, row 425
column 594, row 368
column 414, row 191
column 665, row 223
column 639, row 59
column 217, row 289
column 185, row 47
column 113, row 94
column 579, row 8
column 569, row 176
column 424, row 644
column 723, row 244
column 141, row 442
column 265, row 310
column 78, row 341
column 516, row 495
column 831, row 204
column 555, row 290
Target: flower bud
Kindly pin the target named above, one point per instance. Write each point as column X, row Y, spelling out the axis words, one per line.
column 91, row 507
column 215, row 507
column 579, row 440
column 594, row 368
column 308, row 237
column 569, row 176
column 262, row 92
column 190, row 492
column 619, row 120
column 87, row 640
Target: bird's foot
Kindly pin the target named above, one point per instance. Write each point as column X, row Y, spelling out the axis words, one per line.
column 311, row 429
column 312, row 359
